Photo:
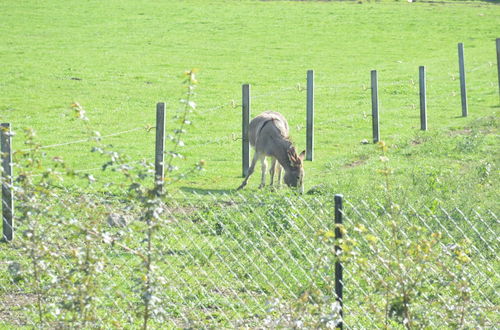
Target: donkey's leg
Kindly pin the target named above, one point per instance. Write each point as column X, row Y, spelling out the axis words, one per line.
column 250, row 170
column 263, row 163
column 275, row 167
column 272, row 171
column 279, row 173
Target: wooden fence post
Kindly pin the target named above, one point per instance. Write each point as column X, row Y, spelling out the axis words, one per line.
column 7, row 182
column 339, row 281
column 245, row 108
column 310, row 116
column 160, row 147
column 423, row 99
column 463, row 90
column 375, row 118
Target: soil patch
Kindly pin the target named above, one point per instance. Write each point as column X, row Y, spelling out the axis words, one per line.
column 11, row 308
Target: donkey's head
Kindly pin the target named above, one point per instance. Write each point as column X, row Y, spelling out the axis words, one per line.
column 294, row 175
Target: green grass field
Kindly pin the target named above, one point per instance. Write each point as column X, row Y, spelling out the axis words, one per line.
column 117, row 59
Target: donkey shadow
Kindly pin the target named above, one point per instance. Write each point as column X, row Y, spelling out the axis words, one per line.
column 200, row 191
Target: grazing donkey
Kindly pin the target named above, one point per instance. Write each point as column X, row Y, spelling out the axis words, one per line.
column 268, row 134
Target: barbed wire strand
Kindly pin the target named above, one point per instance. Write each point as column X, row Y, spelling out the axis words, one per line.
column 86, row 140
column 298, row 87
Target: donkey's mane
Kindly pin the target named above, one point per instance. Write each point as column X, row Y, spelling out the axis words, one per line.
column 286, row 138
column 292, row 158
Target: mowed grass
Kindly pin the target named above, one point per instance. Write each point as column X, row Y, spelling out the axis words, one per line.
column 118, row 58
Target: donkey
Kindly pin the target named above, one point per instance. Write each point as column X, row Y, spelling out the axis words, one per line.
column 268, row 134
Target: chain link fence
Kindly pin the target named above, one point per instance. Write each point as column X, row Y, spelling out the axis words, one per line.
column 256, row 260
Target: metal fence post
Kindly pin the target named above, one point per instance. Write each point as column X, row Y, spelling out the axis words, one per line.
column 498, row 63
column 310, row 116
column 7, row 182
column 423, row 99
column 160, row 147
column 339, row 281
column 375, row 119
column 245, row 109
column 463, row 90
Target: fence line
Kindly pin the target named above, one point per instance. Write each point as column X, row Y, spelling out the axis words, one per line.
column 93, row 169
column 160, row 146
column 87, row 139
column 236, row 105
column 231, row 103
column 365, row 86
column 297, row 88
column 375, row 107
column 6, row 183
column 463, row 88
column 264, row 261
column 275, row 92
column 498, row 62
column 310, row 116
column 245, row 122
column 212, row 141
column 100, row 168
column 423, row 99
column 245, row 250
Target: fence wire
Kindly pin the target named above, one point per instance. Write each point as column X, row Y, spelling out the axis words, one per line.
column 259, row 260
column 119, row 258
column 290, row 97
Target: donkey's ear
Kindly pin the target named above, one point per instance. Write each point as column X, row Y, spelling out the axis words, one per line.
column 302, row 155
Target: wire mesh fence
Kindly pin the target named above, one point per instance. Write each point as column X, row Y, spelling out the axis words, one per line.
column 258, row 260
column 123, row 256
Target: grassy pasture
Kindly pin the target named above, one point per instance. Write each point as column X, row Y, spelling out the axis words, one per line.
column 118, row 58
